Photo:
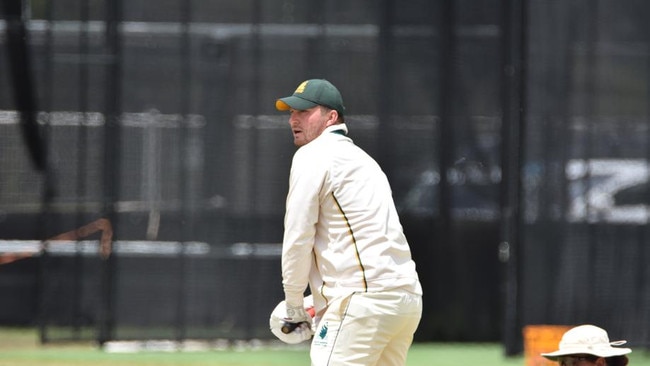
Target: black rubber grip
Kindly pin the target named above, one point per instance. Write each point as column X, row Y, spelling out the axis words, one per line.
column 288, row 327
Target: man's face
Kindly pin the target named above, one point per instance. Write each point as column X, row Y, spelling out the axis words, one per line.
column 579, row 360
column 308, row 124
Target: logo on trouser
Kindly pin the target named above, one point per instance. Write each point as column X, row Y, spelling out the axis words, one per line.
column 321, row 337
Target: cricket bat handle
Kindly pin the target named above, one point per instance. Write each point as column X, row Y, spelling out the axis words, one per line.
column 289, row 327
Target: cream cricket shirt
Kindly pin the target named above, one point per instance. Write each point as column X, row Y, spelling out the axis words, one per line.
column 342, row 233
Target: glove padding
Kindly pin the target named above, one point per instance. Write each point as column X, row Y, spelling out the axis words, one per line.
column 286, row 314
column 297, row 314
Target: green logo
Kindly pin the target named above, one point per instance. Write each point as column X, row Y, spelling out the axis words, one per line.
column 323, row 331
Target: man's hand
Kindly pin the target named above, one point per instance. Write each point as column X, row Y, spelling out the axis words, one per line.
column 297, row 314
column 296, row 317
column 292, row 324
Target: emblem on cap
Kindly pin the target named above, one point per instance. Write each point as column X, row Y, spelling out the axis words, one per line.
column 301, row 88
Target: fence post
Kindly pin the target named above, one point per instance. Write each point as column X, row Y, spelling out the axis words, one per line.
column 513, row 96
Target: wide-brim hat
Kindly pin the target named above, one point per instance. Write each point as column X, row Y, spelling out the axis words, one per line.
column 311, row 93
column 587, row 339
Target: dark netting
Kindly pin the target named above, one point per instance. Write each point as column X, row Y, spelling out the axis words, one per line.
column 585, row 173
column 515, row 136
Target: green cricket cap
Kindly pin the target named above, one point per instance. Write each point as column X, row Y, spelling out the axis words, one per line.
column 311, row 93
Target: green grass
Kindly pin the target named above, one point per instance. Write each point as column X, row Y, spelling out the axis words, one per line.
column 20, row 347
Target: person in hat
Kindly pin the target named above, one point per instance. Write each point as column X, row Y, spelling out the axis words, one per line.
column 587, row 345
column 343, row 239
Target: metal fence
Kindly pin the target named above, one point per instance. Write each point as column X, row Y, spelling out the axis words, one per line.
column 514, row 134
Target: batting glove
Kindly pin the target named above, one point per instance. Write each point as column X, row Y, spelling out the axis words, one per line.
column 297, row 314
column 293, row 331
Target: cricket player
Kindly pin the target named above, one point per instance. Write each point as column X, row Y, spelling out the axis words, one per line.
column 589, row 345
column 344, row 240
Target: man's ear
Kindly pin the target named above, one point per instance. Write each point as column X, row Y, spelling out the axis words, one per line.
column 333, row 116
column 600, row 361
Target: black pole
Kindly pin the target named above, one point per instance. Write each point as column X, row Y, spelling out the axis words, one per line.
column 591, row 89
column 48, row 193
column 82, row 168
column 446, row 136
column 112, row 148
column 514, row 48
column 186, row 217
column 385, row 85
column 256, row 39
column 20, row 71
column 443, row 246
column 644, row 234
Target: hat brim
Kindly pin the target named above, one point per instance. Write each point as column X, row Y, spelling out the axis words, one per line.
column 293, row 102
column 603, row 352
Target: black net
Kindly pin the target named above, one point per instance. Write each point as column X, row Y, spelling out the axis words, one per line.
column 160, row 213
column 585, row 172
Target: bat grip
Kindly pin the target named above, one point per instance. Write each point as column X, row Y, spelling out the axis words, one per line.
column 289, row 327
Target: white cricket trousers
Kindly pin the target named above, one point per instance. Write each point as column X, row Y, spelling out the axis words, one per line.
column 367, row 328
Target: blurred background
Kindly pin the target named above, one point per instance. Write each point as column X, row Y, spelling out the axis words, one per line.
column 143, row 166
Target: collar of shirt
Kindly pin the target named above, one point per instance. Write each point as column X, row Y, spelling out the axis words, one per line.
column 337, row 128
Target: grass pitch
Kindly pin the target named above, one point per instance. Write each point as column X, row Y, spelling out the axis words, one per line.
column 20, row 347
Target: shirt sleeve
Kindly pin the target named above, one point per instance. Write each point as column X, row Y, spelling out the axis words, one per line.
column 301, row 216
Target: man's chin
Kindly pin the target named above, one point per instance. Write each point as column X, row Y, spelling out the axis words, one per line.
column 298, row 141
